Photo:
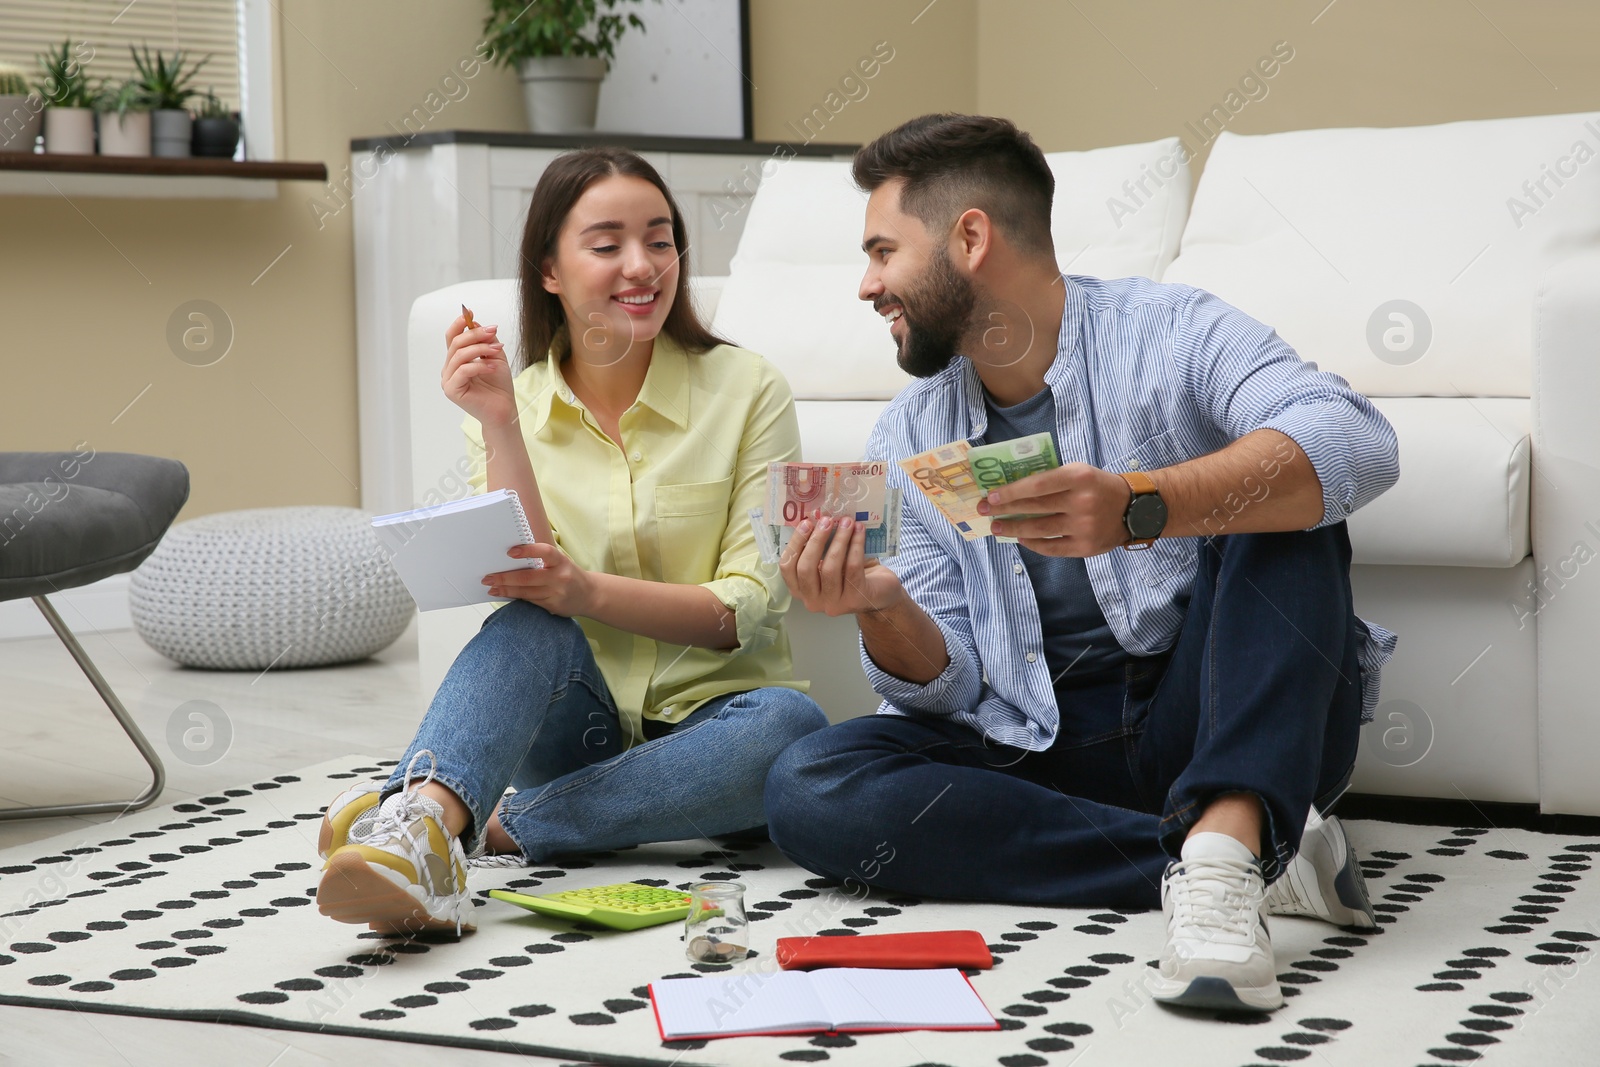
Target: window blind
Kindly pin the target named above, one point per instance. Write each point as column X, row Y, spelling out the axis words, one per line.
column 198, row 27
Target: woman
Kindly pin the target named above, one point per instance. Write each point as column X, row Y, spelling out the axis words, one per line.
column 637, row 687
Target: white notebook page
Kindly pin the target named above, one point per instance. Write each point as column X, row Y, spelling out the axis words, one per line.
column 443, row 552
column 924, row 999
column 738, row 1003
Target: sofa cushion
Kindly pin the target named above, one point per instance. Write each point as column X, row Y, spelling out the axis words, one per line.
column 791, row 292
column 1321, row 233
column 1462, row 497
column 836, row 431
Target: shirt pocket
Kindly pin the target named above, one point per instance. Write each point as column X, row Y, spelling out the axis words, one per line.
column 690, row 519
column 1170, row 558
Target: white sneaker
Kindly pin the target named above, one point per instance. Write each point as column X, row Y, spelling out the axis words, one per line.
column 407, row 872
column 1218, row 953
column 349, row 817
column 1323, row 881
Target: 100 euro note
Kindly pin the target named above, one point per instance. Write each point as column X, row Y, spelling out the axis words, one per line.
column 882, row 541
column 956, row 476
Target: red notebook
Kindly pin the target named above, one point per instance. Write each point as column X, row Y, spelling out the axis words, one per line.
column 933, row 948
column 842, row 999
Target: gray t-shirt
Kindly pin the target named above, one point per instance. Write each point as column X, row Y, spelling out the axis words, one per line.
column 1076, row 633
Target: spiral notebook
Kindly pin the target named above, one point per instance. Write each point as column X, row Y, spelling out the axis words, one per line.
column 443, row 552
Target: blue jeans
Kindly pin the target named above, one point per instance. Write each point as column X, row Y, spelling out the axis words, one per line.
column 525, row 705
column 1260, row 693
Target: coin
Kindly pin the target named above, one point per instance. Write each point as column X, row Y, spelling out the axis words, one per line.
column 710, row 950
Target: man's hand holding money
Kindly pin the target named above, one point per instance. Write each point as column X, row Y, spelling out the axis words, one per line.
column 826, row 568
column 1075, row 510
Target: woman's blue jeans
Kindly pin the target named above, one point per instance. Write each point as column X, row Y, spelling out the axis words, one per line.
column 1260, row 693
column 525, row 705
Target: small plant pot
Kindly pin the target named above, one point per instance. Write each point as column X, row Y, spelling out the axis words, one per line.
column 215, row 138
column 562, row 93
column 170, row 132
column 69, row 130
column 125, row 135
column 21, row 118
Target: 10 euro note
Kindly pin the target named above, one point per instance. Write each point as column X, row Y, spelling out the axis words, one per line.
column 882, row 541
column 798, row 491
column 959, row 475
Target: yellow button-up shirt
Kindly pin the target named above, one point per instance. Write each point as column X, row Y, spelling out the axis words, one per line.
column 671, row 505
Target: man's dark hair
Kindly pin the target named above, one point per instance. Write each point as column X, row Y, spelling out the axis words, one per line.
column 952, row 163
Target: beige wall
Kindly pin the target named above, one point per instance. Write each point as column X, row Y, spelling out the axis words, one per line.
column 801, row 52
column 1103, row 72
column 87, row 287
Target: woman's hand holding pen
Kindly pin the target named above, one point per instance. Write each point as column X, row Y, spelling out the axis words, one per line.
column 477, row 375
column 561, row 587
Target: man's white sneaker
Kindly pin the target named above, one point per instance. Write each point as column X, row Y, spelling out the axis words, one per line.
column 1218, row 953
column 405, row 874
column 1323, row 881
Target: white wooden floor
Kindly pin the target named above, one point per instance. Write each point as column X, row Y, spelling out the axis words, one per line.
column 63, row 745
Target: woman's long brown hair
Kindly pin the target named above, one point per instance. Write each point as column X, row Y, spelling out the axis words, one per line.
column 559, row 188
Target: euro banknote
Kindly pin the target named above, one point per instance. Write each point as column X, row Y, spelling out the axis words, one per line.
column 882, row 540
column 798, row 491
column 956, row 476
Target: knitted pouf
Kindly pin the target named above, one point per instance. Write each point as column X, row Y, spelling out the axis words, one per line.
column 269, row 587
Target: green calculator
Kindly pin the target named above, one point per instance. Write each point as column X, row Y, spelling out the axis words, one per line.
column 622, row 906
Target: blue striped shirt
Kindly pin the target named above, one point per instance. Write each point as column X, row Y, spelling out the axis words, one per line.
column 1146, row 375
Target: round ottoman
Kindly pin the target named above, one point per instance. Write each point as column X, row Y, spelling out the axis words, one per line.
column 269, row 587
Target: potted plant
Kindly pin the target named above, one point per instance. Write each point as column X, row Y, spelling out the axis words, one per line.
column 216, row 131
column 168, row 87
column 124, row 118
column 68, row 97
column 21, row 111
column 561, row 50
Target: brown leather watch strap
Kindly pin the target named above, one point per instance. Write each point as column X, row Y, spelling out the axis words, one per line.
column 1141, row 483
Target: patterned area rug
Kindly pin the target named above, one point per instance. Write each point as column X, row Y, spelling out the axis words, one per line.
column 203, row 911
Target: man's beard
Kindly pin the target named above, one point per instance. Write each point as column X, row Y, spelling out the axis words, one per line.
column 937, row 313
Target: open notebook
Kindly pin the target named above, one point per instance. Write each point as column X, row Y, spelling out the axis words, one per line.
column 802, row 1002
column 443, row 552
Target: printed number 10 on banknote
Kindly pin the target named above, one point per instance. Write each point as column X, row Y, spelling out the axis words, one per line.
column 797, row 491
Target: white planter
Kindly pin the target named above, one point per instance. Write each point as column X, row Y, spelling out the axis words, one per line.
column 170, row 130
column 20, row 120
column 125, row 135
column 562, row 93
column 69, row 130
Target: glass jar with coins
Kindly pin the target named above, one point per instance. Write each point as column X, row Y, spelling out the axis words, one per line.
column 716, row 930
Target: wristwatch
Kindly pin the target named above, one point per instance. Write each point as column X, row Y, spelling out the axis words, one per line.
column 1146, row 516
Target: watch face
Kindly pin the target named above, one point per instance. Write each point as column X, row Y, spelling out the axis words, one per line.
column 1147, row 515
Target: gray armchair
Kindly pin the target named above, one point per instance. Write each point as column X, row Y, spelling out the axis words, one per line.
column 71, row 518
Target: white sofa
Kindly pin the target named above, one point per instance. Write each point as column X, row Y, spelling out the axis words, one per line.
column 1476, row 557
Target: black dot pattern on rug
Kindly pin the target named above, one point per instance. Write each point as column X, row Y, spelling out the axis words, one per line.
column 592, row 1018
column 804, row 1055
column 618, row 1006
column 834, row 1041
column 532, row 1011
column 445, row 987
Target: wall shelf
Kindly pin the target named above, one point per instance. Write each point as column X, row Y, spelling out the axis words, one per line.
column 60, row 174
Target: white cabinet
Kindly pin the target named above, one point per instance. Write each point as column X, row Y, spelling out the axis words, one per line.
column 435, row 209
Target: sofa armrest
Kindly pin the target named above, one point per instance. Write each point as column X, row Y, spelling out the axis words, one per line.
column 706, row 292
column 1565, row 600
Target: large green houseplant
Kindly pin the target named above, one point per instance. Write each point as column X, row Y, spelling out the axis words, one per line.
column 169, row 87
column 561, row 50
